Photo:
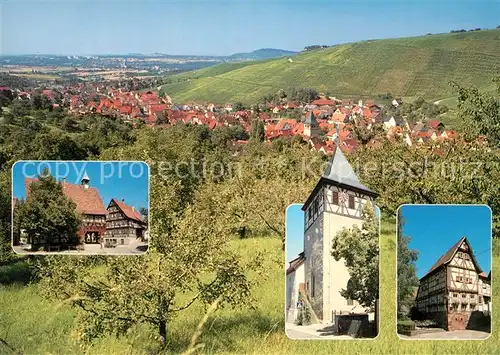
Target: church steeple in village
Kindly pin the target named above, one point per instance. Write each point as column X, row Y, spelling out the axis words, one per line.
column 336, row 202
column 311, row 126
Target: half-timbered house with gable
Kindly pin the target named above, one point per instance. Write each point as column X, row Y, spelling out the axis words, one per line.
column 455, row 292
column 124, row 223
column 336, row 202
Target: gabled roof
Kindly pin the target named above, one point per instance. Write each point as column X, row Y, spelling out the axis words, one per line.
column 127, row 210
column 448, row 256
column 87, row 200
column 296, row 263
column 434, row 124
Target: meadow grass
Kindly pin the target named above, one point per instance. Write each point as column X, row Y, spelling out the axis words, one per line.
column 32, row 325
column 409, row 67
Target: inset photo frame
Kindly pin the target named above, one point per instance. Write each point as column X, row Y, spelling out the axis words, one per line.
column 444, row 272
column 80, row 207
column 333, row 251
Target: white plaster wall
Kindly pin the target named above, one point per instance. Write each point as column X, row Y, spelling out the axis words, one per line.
column 293, row 280
column 335, row 273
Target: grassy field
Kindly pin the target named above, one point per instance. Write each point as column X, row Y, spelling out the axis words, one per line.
column 416, row 66
column 37, row 326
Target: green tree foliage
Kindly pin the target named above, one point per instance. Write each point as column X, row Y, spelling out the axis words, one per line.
column 300, row 95
column 6, row 253
column 364, row 133
column 48, row 216
column 224, row 135
column 407, row 277
column 258, row 131
column 479, row 113
column 238, row 106
column 359, row 248
column 304, row 314
column 446, row 172
column 189, row 251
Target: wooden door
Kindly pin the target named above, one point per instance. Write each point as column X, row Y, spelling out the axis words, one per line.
column 457, row 321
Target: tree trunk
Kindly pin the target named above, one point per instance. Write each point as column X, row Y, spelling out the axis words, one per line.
column 162, row 327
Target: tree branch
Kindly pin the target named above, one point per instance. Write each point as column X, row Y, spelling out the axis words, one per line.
column 10, row 347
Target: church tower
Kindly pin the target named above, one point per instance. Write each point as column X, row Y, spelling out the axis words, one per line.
column 336, row 202
column 311, row 126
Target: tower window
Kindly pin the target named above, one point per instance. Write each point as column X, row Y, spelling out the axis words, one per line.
column 335, row 197
column 351, row 202
column 313, row 286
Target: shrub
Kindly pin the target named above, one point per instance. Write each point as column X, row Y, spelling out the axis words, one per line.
column 406, row 326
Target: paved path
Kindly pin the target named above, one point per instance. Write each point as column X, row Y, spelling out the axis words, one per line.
column 313, row 331
column 457, row 334
column 134, row 248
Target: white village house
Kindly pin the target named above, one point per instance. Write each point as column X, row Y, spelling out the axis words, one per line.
column 294, row 282
column 336, row 202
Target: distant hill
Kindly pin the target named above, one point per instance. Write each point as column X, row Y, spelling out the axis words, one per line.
column 263, row 53
column 409, row 67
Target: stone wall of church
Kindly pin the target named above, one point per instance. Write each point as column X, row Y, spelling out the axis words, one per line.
column 313, row 251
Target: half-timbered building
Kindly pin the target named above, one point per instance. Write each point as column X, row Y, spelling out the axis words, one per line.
column 455, row 291
column 336, row 202
column 124, row 223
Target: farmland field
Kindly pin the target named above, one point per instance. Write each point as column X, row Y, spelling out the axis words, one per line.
column 417, row 66
column 35, row 325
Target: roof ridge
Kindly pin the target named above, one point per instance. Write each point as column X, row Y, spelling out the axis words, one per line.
column 450, row 253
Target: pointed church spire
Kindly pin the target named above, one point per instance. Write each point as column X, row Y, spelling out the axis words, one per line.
column 310, row 119
column 339, row 170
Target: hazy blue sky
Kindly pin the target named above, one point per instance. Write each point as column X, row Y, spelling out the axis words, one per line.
column 435, row 229
column 222, row 28
column 128, row 181
column 294, row 232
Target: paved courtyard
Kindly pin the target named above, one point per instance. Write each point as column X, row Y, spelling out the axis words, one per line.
column 134, row 248
column 445, row 335
column 314, row 331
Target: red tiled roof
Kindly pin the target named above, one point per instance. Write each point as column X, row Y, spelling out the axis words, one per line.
column 88, row 201
column 129, row 211
column 434, row 123
column 126, row 110
column 298, row 129
column 321, row 102
column 450, row 134
column 158, row 107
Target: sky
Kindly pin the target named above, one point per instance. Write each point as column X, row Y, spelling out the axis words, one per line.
column 294, row 232
column 128, row 180
column 224, row 27
column 434, row 229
